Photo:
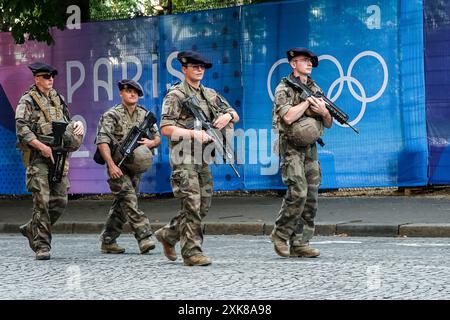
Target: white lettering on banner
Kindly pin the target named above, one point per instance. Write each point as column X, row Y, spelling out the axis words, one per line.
column 155, row 75
column 79, row 153
column 137, row 62
column 348, row 78
column 107, row 85
column 72, row 88
column 74, row 20
column 374, row 21
column 170, row 68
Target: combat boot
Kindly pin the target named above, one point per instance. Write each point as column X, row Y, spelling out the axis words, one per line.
column 27, row 232
column 112, row 248
column 169, row 250
column 279, row 245
column 145, row 245
column 304, row 251
column 197, row 260
column 43, row 253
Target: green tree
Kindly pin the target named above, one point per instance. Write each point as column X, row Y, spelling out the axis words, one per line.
column 32, row 20
column 119, row 9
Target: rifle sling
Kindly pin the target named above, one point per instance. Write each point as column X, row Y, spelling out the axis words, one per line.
column 38, row 101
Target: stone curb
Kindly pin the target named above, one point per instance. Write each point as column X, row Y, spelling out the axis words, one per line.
column 248, row 228
column 368, row 229
column 425, row 230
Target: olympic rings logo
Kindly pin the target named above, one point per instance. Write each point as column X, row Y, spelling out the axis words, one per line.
column 347, row 78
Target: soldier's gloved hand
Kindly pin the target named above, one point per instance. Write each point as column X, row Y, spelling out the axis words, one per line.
column 46, row 152
column 78, row 128
column 114, row 171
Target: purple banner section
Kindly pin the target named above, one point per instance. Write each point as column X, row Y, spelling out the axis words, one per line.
column 89, row 61
column 15, row 78
column 437, row 74
column 371, row 65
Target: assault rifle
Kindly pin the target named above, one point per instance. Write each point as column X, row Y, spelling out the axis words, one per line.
column 56, row 170
column 193, row 106
column 335, row 112
column 136, row 134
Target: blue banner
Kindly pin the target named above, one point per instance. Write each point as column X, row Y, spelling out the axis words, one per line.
column 371, row 66
column 360, row 68
column 437, row 66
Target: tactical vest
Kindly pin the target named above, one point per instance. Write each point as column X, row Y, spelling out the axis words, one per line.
column 213, row 106
column 41, row 120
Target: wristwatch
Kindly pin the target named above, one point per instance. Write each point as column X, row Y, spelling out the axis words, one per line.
column 231, row 114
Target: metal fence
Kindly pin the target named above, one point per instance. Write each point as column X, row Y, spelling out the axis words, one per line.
column 169, row 7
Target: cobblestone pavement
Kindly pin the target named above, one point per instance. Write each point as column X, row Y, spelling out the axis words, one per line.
column 244, row 267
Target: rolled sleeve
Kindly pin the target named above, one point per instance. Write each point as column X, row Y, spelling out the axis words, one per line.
column 282, row 103
column 223, row 104
column 23, row 122
column 154, row 130
column 106, row 124
column 171, row 110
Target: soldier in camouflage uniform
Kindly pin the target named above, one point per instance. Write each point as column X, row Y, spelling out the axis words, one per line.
column 191, row 177
column 300, row 167
column 37, row 108
column 123, row 181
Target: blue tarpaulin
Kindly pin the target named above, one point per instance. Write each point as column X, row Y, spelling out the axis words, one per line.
column 371, row 65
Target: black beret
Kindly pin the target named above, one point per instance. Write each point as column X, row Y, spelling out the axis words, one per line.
column 127, row 84
column 186, row 57
column 291, row 53
column 40, row 67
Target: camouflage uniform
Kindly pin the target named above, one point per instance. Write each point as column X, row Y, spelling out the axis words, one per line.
column 191, row 180
column 49, row 199
column 300, row 171
column 118, row 122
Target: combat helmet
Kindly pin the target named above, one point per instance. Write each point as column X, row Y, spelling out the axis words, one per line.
column 72, row 142
column 139, row 162
column 304, row 131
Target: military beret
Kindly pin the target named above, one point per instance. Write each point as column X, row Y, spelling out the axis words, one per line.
column 40, row 67
column 186, row 57
column 131, row 84
column 291, row 53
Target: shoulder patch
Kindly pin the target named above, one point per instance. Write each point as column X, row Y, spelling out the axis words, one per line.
column 281, row 97
column 141, row 107
column 177, row 93
column 112, row 112
column 210, row 90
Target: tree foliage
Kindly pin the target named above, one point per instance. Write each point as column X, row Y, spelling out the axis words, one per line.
column 33, row 19
column 118, row 9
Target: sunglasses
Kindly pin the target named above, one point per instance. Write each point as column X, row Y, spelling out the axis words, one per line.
column 197, row 66
column 46, row 76
column 304, row 60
